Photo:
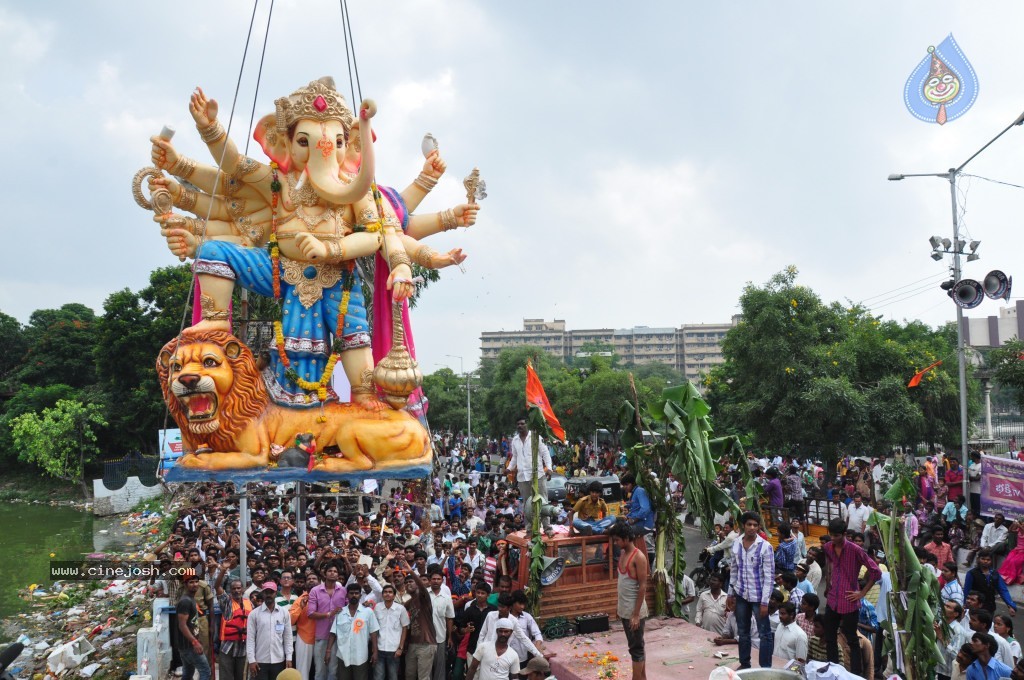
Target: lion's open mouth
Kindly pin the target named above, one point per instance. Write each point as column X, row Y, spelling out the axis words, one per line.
column 199, row 406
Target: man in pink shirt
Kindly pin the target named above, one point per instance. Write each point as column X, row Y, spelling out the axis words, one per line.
column 844, row 593
column 325, row 601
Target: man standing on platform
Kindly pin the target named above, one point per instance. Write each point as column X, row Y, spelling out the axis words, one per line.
column 632, row 591
column 521, row 466
column 753, row 578
column 842, row 611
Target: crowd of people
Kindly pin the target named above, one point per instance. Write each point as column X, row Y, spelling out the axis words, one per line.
column 422, row 581
column 823, row 602
column 418, row 581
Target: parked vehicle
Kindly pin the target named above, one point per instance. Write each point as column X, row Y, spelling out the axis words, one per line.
column 557, row 489
column 588, row 581
column 577, row 488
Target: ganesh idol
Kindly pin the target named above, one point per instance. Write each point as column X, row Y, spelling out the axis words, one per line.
column 293, row 229
column 326, row 216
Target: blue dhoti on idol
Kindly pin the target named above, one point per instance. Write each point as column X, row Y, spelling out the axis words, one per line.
column 311, row 296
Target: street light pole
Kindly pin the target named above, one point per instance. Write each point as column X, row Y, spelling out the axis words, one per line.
column 961, row 355
column 961, row 351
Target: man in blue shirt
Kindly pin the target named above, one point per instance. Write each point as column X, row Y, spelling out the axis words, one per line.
column 986, row 667
column 639, row 513
column 954, row 509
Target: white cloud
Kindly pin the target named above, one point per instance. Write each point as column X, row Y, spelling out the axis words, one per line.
column 749, row 152
column 23, row 41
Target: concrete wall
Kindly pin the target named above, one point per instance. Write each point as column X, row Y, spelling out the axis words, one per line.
column 107, row 502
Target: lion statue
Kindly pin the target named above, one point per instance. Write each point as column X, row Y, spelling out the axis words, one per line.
column 217, row 397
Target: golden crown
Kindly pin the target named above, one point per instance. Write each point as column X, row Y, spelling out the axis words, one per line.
column 318, row 101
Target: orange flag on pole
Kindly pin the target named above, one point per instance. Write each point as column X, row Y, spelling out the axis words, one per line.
column 916, row 380
column 535, row 396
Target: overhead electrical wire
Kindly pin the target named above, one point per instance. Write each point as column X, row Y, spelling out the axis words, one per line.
column 887, row 293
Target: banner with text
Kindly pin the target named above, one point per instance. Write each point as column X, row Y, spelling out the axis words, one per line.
column 171, row 448
column 1002, row 487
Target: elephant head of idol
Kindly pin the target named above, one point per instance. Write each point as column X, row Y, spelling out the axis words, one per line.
column 307, row 136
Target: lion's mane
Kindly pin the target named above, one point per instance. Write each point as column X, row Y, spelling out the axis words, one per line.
column 246, row 400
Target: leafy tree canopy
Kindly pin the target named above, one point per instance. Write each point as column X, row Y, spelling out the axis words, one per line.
column 821, row 378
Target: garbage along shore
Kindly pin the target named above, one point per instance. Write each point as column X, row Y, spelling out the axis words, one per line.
column 88, row 628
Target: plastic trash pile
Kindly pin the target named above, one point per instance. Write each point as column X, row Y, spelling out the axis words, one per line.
column 85, row 629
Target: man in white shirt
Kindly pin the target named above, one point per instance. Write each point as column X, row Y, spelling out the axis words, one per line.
column 993, row 536
column 526, row 623
column 520, row 641
column 393, row 620
column 473, row 556
column 790, row 639
column 711, row 606
column 878, row 473
column 857, row 518
column 521, row 465
column 495, row 659
column 268, row 641
column 439, row 556
column 725, row 545
column 354, row 631
column 368, row 586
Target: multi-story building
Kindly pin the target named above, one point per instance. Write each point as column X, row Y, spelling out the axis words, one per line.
column 994, row 331
column 693, row 349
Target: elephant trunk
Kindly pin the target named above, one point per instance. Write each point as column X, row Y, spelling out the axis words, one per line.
column 323, row 172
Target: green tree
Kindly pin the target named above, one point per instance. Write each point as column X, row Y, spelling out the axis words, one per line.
column 28, row 399
column 680, row 417
column 15, row 344
column 60, row 440
column 60, row 344
column 595, row 348
column 133, row 328
column 1007, row 364
column 657, row 371
column 601, row 398
column 504, row 380
column 167, row 300
column 823, row 378
column 446, row 391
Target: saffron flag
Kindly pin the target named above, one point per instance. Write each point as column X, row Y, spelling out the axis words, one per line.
column 916, row 380
column 535, row 396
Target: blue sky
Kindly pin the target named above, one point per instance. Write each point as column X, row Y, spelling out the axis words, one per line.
column 643, row 161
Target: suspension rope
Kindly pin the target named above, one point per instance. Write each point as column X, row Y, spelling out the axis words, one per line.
column 348, row 56
column 202, row 235
column 347, row 18
column 259, row 77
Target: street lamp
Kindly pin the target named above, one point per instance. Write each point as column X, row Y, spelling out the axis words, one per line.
column 469, row 405
column 951, row 176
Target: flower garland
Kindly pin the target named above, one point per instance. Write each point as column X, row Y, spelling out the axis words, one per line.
column 320, row 386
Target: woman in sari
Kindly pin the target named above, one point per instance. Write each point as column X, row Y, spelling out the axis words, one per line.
column 1012, row 568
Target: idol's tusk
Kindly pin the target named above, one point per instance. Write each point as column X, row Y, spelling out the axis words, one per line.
column 302, row 180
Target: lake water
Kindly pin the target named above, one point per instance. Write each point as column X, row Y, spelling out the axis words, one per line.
column 29, row 533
